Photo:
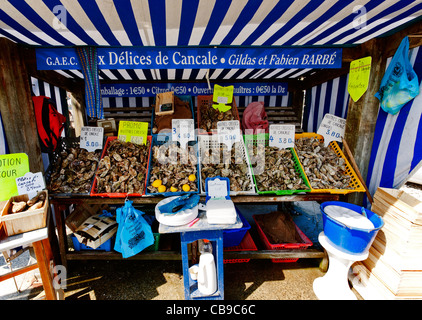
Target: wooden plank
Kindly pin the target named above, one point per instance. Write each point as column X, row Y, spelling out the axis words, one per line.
column 16, row 105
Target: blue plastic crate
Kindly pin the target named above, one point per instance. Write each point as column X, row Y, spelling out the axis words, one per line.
column 159, row 140
column 106, row 246
column 233, row 237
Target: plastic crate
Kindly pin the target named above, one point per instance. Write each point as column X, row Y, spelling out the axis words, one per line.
column 355, row 182
column 184, row 98
column 233, row 237
column 297, row 165
column 119, row 195
column 211, row 142
column 283, row 246
column 203, row 101
column 158, row 140
column 106, row 246
column 155, row 245
column 66, row 143
column 247, row 244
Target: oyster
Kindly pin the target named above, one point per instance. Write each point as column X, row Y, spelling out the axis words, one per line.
column 217, row 160
column 173, row 165
column 123, row 168
column 210, row 117
column 73, row 170
column 323, row 167
column 275, row 169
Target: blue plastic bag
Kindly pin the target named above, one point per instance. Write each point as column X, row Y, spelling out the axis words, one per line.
column 133, row 234
column 400, row 83
column 179, row 204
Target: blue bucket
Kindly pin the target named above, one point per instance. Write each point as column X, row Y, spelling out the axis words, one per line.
column 350, row 239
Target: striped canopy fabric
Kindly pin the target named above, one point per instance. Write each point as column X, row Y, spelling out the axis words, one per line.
column 201, row 23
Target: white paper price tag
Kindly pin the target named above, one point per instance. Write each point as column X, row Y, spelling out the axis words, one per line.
column 91, row 138
column 183, row 130
column 229, row 132
column 282, row 136
column 332, row 128
column 30, row 184
column 217, row 188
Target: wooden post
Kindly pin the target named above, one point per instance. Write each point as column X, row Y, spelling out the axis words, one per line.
column 362, row 115
column 16, row 105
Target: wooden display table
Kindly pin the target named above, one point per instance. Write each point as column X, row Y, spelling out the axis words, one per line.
column 61, row 206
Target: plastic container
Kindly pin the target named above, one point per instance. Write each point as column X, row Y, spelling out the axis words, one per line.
column 119, row 195
column 283, row 246
column 106, row 246
column 210, row 142
column 233, row 237
column 158, row 140
column 355, row 183
column 347, row 239
column 247, row 244
column 203, row 101
column 297, row 165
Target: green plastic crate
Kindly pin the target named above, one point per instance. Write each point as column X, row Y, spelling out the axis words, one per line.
column 297, row 165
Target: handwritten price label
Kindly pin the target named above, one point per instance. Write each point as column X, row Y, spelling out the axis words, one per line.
column 229, row 132
column 91, row 138
column 332, row 128
column 183, row 130
column 282, row 136
column 133, row 131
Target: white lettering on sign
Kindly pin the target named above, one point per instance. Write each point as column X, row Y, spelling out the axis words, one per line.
column 332, row 128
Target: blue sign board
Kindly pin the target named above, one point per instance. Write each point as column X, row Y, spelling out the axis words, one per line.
column 192, row 89
column 194, row 58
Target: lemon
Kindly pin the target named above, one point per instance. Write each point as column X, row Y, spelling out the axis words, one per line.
column 186, row 187
column 173, row 189
column 192, row 177
column 157, row 183
column 162, row 188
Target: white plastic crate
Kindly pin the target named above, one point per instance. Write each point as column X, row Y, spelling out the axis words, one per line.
column 211, row 142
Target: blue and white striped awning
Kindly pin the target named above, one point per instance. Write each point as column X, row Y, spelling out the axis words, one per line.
column 201, row 23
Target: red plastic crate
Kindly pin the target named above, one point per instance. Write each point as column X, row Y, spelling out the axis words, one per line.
column 247, row 244
column 119, row 195
column 281, row 246
column 205, row 101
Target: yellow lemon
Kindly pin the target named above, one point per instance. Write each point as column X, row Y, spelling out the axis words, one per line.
column 162, row 188
column 186, row 187
column 173, row 189
column 156, row 183
column 192, row 177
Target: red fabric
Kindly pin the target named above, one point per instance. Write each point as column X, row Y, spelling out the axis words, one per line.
column 255, row 117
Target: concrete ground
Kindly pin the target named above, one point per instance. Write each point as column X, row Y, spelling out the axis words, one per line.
column 163, row 280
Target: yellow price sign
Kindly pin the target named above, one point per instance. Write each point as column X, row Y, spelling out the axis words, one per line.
column 12, row 166
column 222, row 96
column 360, row 70
column 133, row 131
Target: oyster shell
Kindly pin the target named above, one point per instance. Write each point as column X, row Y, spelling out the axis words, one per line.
column 323, row 167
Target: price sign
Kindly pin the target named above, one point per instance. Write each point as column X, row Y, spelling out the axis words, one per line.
column 217, row 188
column 229, row 132
column 222, row 96
column 30, row 184
column 332, row 128
column 133, row 131
column 360, row 70
column 282, row 136
column 91, row 138
column 183, row 130
column 12, row 166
